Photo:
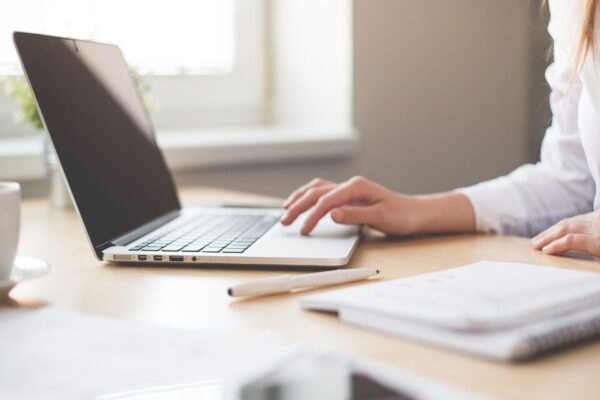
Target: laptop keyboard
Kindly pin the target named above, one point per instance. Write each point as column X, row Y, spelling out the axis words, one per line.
column 231, row 233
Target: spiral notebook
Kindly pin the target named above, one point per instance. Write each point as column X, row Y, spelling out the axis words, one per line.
column 504, row 311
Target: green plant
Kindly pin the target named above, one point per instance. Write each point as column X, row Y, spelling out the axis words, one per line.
column 17, row 88
column 148, row 99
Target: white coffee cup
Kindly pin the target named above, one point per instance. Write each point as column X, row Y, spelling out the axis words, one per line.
column 10, row 216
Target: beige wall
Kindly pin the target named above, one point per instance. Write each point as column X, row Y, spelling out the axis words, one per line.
column 445, row 94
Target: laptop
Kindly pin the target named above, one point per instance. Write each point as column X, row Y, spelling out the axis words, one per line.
column 119, row 182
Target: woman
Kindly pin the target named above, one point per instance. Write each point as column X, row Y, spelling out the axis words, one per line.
column 553, row 199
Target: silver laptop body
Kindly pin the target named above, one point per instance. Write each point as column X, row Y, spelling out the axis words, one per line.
column 119, row 182
column 266, row 242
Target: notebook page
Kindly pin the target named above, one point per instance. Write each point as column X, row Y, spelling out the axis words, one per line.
column 480, row 296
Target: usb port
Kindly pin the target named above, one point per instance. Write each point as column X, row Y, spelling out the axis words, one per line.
column 175, row 258
column 157, row 258
column 142, row 257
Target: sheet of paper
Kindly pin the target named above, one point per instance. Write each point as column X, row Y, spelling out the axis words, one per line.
column 58, row 354
column 317, row 374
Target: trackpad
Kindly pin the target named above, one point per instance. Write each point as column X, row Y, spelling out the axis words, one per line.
column 326, row 228
column 327, row 240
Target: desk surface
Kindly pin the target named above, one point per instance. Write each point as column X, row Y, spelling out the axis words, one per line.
column 185, row 297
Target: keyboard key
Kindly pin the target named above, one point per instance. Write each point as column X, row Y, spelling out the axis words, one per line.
column 228, row 250
column 173, row 248
column 161, row 244
column 234, row 249
column 151, row 248
column 192, row 248
column 212, row 250
column 239, row 245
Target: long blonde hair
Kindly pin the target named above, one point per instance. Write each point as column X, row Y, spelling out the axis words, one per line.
column 586, row 35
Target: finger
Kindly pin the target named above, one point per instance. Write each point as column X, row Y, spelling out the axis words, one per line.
column 557, row 231
column 353, row 215
column 548, row 231
column 306, row 201
column 300, row 192
column 571, row 241
column 353, row 190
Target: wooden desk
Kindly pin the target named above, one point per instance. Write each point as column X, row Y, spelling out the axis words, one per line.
column 186, row 297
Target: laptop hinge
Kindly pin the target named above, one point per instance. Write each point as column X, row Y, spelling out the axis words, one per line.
column 139, row 232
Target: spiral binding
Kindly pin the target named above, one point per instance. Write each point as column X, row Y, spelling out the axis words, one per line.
column 562, row 337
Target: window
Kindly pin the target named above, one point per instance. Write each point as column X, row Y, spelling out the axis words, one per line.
column 201, row 58
column 197, row 38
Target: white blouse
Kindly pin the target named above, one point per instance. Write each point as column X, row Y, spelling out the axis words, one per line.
column 564, row 183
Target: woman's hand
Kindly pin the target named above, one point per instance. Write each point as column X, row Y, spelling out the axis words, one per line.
column 356, row 201
column 361, row 201
column 580, row 233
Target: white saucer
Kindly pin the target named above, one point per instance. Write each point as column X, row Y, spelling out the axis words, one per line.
column 24, row 268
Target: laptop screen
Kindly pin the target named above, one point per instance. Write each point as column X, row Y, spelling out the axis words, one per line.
column 102, row 135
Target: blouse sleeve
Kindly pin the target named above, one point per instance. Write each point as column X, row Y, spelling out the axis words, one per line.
column 536, row 196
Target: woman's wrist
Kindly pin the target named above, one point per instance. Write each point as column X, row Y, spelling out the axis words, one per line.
column 443, row 212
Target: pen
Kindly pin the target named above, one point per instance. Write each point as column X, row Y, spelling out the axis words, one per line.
column 286, row 283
